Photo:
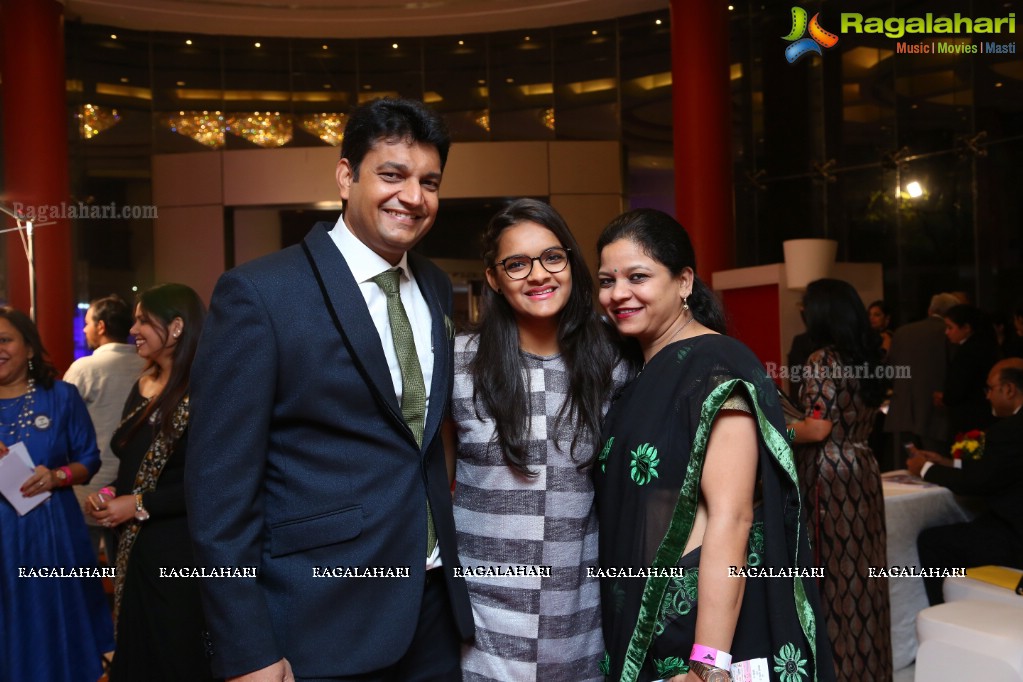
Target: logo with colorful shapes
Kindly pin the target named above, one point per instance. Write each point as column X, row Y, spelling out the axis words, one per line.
column 801, row 46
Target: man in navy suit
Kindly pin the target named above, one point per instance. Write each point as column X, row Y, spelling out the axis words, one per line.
column 301, row 463
column 996, row 536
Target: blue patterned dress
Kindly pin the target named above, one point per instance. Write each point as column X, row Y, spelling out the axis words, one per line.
column 52, row 629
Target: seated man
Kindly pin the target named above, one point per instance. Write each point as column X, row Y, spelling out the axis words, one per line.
column 996, row 536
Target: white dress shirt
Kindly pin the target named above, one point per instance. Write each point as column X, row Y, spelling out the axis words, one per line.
column 366, row 264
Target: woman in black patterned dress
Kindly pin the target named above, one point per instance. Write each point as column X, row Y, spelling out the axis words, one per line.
column 841, row 480
column 159, row 618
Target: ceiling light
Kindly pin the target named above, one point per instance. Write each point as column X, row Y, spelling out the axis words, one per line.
column 394, row 45
column 258, row 44
column 188, row 42
column 658, row 22
column 113, row 36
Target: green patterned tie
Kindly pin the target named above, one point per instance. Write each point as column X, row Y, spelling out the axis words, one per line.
column 413, row 390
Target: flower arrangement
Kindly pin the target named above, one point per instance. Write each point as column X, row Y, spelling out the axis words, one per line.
column 969, row 445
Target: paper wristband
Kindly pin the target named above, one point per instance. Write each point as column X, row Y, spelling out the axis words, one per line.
column 704, row 654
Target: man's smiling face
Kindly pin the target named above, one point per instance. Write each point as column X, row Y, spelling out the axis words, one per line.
column 393, row 203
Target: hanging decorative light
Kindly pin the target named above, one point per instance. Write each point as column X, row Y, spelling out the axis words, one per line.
column 483, row 120
column 266, row 130
column 205, row 127
column 94, row 119
column 328, row 127
column 548, row 118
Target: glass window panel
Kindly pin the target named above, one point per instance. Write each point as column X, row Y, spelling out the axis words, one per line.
column 390, row 68
column 586, row 81
column 455, row 78
column 521, row 85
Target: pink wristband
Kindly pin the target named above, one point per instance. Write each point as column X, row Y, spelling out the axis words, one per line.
column 718, row 659
column 67, row 481
column 107, row 491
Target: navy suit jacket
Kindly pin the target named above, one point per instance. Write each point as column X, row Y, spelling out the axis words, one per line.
column 997, row 476
column 299, row 459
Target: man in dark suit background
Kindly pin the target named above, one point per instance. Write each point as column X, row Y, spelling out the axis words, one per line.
column 313, row 452
column 996, row 536
column 921, row 347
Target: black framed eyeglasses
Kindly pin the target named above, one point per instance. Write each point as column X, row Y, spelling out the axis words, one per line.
column 553, row 260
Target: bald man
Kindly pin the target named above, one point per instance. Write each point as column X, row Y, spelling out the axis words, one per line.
column 996, row 536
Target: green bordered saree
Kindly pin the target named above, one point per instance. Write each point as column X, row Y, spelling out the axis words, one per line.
column 647, row 484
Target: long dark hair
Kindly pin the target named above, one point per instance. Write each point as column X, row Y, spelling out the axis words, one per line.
column 662, row 238
column 40, row 370
column 836, row 317
column 584, row 343
column 161, row 304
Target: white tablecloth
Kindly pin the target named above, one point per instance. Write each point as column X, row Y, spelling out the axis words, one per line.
column 909, row 509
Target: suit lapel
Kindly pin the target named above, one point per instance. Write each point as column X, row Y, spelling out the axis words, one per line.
column 441, row 351
column 348, row 307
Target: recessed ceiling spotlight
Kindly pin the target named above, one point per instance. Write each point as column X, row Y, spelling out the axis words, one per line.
column 258, row 44
column 188, row 42
column 113, row 36
column 394, row 45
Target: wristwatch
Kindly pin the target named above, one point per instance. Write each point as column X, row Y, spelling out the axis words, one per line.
column 140, row 512
column 709, row 673
column 61, row 477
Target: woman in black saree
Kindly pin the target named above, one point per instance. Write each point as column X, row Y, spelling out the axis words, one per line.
column 696, row 486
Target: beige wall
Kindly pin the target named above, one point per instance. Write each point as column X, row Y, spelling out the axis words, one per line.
column 583, row 181
column 188, row 246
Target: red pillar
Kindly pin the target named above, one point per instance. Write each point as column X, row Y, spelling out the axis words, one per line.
column 35, row 123
column 702, row 112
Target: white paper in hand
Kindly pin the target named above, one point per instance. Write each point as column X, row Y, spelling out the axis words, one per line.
column 15, row 469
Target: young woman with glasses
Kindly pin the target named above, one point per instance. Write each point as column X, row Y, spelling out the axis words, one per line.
column 531, row 385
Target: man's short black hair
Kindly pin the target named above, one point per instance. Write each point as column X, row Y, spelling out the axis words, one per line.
column 392, row 119
column 115, row 314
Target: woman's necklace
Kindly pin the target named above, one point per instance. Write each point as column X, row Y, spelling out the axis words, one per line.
column 684, row 325
column 19, row 424
column 677, row 332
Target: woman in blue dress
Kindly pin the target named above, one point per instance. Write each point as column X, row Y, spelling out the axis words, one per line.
column 51, row 628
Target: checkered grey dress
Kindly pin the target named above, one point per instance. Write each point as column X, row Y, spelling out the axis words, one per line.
column 527, row 627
